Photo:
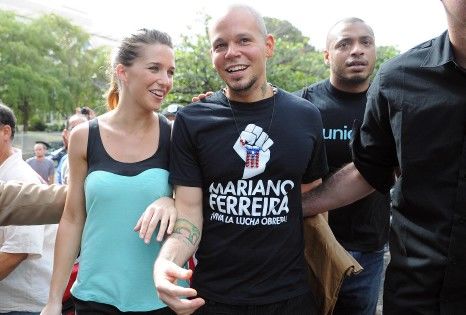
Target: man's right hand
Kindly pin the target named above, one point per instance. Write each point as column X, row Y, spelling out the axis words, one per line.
column 166, row 273
column 201, row 96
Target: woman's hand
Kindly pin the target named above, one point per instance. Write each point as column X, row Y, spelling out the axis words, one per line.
column 162, row 210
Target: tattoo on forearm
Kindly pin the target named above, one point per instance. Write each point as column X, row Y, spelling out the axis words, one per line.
column 188, row 230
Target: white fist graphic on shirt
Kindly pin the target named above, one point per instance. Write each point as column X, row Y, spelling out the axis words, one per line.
column 253, row 146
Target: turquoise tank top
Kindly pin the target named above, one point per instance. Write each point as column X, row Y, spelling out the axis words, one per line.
column 115, row 264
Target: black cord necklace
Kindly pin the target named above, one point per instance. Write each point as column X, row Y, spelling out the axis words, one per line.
column 252, row 150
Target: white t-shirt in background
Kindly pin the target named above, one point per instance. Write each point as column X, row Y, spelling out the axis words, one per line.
column 26, row 288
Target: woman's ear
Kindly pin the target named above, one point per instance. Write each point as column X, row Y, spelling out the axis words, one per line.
column 120, row 72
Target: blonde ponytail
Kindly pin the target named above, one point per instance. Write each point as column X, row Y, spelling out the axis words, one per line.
column 112, row 95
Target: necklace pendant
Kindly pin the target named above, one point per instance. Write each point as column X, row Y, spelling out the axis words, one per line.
column 252, row 152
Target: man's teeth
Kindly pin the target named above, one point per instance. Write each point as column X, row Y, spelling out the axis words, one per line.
column 236, row 68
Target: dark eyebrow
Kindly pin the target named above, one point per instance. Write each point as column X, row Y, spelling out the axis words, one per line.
column 156, row 64
column 344, row 39
column 243, row 35
column 217, row 41
column 151, row 63
column 367, row 37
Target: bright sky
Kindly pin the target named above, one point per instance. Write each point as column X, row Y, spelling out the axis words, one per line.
column 401, row 23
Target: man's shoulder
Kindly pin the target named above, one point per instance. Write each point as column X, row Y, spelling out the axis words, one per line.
column 412, row 58
column 207, row 104
column 310, row 91
column 317, row 86
column 297, row 104
column 21, row 171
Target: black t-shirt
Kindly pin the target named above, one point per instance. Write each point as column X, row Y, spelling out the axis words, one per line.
column 364, row 224
column 251, row 250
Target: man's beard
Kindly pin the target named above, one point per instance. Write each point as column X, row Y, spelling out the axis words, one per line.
column 244, row 87
column 354, row 80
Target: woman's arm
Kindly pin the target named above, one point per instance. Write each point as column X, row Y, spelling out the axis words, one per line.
column 72, row 221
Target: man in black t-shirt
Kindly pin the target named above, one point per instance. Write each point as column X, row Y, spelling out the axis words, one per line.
column 361, row 227
column 239, row 162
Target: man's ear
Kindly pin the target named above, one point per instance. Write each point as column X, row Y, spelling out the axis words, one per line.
column 269, row 45
column 326, row 57
column 6, row 132
column 212, row 57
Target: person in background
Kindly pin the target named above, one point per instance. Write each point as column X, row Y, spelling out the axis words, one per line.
column 26, row 252
column 414, row 124
column 110, row 187
column 62, row 167
column 86, row 111
column 239, row 170
column 42, row 165
column 361, row 227
column 58, row 154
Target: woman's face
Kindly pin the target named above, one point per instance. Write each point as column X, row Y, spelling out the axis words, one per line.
column 150, row 78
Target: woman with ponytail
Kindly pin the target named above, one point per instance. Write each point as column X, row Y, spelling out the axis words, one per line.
column 118, row 167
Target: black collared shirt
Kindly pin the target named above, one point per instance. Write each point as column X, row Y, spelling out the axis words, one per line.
column 415, row 119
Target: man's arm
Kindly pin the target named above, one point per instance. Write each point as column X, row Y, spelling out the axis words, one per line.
column 30, row 204
column 342, row 188
column 305, row 188
column 177, row 249
column 51, row 179
column 9, row 261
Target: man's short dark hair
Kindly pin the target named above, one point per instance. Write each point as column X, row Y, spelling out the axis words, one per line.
column 7, row 117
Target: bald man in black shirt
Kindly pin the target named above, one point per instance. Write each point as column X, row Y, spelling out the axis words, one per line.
column 361, row 227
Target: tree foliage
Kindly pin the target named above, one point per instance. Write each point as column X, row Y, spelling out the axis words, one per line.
column 285, row 31
column 384, row 53
column 194, row 70
column 294, row 65
column 47, row 65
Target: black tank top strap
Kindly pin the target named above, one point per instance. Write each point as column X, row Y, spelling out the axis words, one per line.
column 93, row 140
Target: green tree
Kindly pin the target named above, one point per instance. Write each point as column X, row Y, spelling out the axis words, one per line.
column 294, row 65
column 384, row 53
column 285, row 31
column 20, row 66
column 47, row 64
column 194, row 69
